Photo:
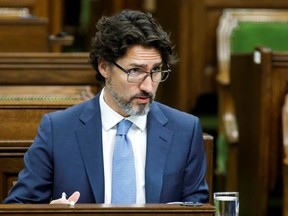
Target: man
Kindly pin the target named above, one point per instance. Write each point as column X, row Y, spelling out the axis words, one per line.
column 73, row 150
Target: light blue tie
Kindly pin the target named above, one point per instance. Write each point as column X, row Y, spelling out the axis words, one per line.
column 123, row 171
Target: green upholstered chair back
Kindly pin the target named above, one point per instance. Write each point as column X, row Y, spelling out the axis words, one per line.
column 249, row 35
column 241, row 30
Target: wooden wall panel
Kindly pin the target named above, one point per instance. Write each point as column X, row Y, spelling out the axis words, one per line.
column 196, row 42
column 29, row 35
column 11, row 163
column 259, row 91
column 50, row 9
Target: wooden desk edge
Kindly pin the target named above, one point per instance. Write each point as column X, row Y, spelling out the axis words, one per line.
column 159, row 208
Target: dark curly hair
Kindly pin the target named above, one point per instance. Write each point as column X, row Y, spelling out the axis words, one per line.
column 116, row 33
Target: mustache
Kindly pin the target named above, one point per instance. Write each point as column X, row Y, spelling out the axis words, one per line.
column 143, row 94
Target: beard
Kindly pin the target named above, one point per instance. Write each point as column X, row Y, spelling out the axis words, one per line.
column 127, row 105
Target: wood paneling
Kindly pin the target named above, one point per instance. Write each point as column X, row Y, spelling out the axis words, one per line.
column 33, row 84
column 285, row 191
column 49, row 10
column 24, row 35
column 209, row 149
column 195, row 37
column 47, row 69
column 20, row 113
column 259, row 91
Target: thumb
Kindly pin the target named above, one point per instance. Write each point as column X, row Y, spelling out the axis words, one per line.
column 74, row 197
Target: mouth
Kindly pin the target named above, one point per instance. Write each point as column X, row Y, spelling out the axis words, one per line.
column 143, row 97
column 143, row 100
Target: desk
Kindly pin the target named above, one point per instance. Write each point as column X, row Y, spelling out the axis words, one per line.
column 108, row 210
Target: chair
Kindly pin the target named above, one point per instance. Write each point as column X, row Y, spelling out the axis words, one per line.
column 264, row 75
column 240, row 31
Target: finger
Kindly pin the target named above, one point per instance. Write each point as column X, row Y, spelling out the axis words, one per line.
column 59, row 201
column 74, row 197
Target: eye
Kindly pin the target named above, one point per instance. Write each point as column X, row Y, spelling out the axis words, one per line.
column 135, row 71
column 157, row 69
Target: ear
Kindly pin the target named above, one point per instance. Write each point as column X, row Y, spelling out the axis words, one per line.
column 103, row 67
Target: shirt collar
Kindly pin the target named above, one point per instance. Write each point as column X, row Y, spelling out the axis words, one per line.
column 110, row 118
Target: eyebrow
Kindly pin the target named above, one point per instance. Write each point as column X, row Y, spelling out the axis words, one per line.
column 145, row 65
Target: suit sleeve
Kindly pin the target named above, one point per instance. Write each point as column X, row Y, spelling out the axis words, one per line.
column 195, row 186
column 34, row 182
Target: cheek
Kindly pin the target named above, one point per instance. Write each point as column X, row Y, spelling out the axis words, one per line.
column 117, row 81
column 122, row 87
column 155, row 87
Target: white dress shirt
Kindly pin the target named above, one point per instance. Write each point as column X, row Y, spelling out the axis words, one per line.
column 138, row 137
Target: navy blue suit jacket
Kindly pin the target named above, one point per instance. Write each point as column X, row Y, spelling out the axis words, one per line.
column 66, row 156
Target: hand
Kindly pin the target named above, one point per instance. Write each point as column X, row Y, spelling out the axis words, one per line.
column 63, row 200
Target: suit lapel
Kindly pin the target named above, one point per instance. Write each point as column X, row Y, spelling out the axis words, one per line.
column 90, row 143
column 159, row 139
column 158, row 144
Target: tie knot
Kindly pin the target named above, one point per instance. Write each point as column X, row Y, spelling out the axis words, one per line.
column 123, row 127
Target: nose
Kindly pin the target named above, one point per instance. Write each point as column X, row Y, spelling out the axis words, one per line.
column 147, row 84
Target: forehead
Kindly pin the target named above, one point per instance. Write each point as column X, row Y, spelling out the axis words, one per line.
column 141, row 53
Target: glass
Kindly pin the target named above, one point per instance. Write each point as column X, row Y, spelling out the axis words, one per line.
column 226, row 203
column 137, row 75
